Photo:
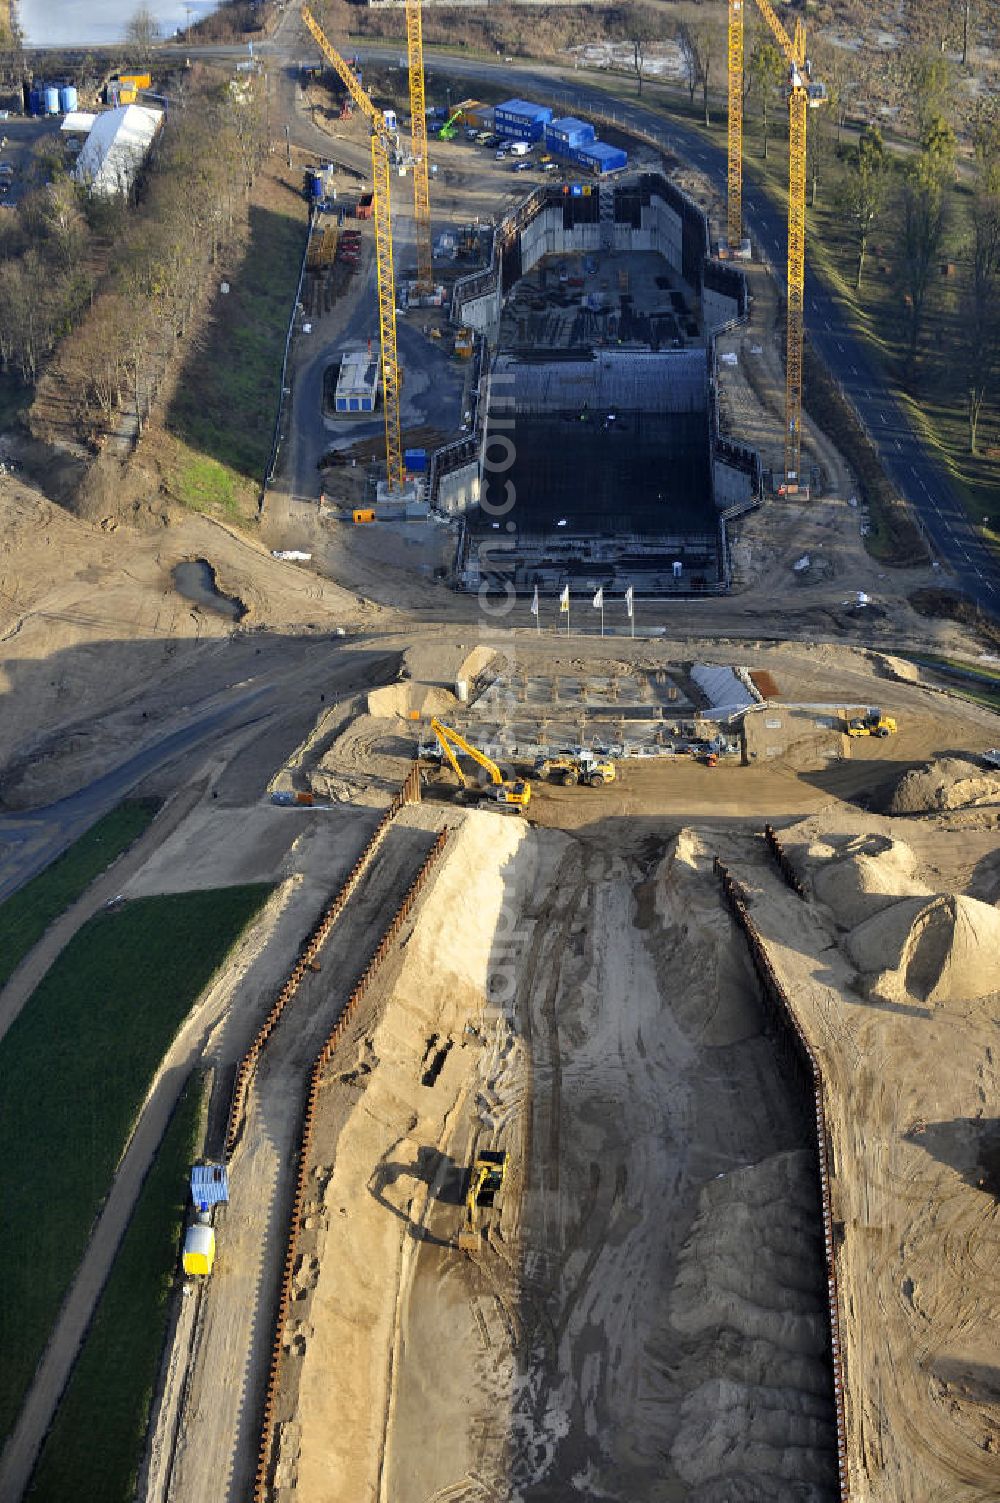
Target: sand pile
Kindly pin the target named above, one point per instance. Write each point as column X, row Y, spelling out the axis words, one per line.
column 745, row 1319
column 382, row 1177
column 944, row 950
column 946, row 783
column 717, row 1002
column 410, row 699
column 868, row 874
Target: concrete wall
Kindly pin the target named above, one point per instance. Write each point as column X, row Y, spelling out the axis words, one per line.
column 717, row 309
column 545, row 236
column 732, row 487
column 459, row 490
column 481, row 313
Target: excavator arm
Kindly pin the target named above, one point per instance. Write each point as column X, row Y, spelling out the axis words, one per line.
column 446, row 736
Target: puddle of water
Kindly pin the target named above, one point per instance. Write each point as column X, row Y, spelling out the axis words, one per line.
column 195, row 580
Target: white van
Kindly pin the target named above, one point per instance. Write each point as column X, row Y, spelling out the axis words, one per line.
column 520, row 148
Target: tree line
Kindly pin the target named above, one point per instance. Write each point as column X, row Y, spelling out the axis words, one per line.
column 100, row 290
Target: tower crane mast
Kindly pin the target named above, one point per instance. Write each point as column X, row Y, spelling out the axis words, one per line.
column 803, row 94
column 418, row 136
column 383, row 147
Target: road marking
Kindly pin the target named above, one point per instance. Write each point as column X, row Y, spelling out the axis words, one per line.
column 883, row 417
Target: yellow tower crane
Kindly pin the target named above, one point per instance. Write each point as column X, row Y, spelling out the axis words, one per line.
column 418, row 136
column 382, row 149
column 803, row 95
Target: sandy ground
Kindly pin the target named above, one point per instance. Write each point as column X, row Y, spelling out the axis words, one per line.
column 911, row 1092
column 600, row 1025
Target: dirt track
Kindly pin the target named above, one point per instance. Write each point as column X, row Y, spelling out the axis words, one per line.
column 215, row 1447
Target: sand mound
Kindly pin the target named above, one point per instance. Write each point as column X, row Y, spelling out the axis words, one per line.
column 867, row 875
column 944, row 950
column 741, row 1438
column 409, row 699
column 947, row 783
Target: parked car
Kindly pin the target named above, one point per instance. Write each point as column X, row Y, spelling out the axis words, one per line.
column 521, row 167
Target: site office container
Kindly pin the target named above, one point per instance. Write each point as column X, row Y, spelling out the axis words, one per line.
column 598, row 157
column 520, row 120
column 568, row 131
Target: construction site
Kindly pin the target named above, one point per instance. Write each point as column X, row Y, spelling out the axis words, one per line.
column 601, row 1102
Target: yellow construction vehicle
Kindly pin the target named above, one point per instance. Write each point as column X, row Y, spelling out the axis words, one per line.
column 486, row 1179
column 507, row 795
column 570, row 768
column 874, row 723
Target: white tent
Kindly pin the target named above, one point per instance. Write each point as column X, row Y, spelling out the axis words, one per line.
column 78, row 123
column 116, row 148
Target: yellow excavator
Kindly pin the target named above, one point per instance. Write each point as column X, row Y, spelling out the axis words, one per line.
column 872, row 724
column 486, row 1177
column 507, row 795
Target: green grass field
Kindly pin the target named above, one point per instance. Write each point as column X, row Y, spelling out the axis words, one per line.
column 26, row 915
column 111, row 1387
column 225, row 407
column 76, row 1066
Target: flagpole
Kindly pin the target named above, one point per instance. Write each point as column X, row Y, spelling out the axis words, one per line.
column 602, row 615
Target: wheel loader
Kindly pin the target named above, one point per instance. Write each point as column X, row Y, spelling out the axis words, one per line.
column 570, row 768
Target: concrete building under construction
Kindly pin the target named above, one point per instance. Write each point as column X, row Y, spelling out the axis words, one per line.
column 598, row 460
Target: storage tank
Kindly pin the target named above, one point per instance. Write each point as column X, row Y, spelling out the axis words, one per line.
column 35, row 101
column 51, row 98
column 68, row 99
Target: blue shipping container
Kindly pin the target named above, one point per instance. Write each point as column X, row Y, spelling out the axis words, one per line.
column 520, row 120
column 415, row 460
column 568, row 131
column 601, row 158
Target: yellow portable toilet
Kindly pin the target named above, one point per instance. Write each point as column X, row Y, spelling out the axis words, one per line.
column 199, row 1250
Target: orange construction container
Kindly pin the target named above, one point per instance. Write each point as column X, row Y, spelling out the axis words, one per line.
column 364, row 516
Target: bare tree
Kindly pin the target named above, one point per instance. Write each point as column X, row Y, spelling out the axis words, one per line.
column 689, row 58
column 980, row 324
column 924, row 223
column 639, row 28
column 767, row 70
column 697, row 41
column 142, row 33
column 862, row 193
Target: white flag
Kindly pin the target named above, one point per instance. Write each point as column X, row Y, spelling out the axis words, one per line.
column 599, row 599
column 534, row 602
column 628, row 600
column 564, row 599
